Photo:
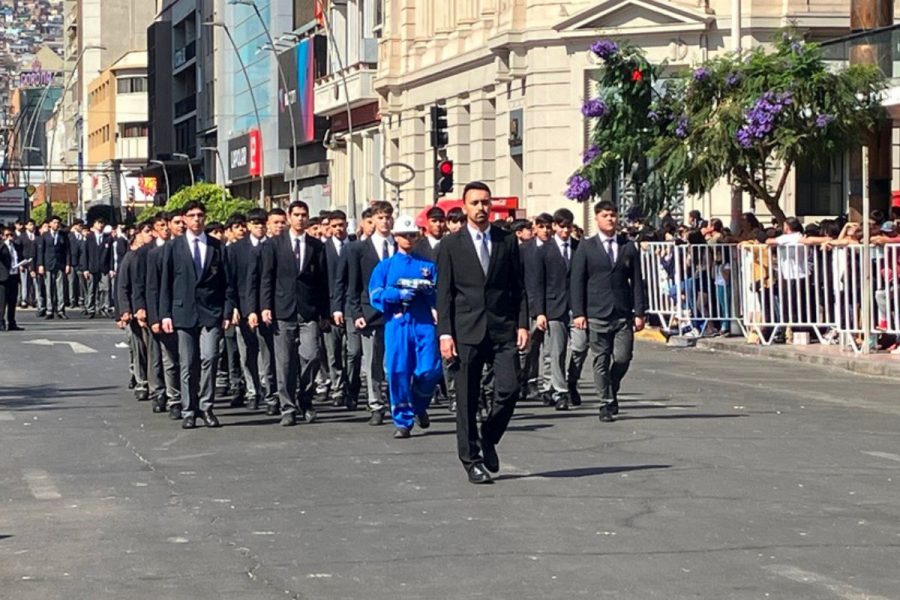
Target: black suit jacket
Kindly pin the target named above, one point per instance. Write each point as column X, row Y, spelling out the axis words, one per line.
column 96, row 258
column 119, row 248
column 188, row 301
column 54, row 257
column 243, row 260
column 76, row 249
column 601, row 290
column 552, row 300
column 337, row 274
column 292, row 293
column 472, row 306
column 125, row 280
column 528, row 255
column 423, row 249
column 28, row 247
column 138, row 267
column 362, row 260
column 5, row 265
column 153, row 274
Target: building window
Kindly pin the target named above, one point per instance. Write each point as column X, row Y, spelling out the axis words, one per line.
column 820, row 187
column 378, row 26
column 131, row 85
column 134, row 130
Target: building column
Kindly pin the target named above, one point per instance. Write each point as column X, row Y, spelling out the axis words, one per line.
column 458, row 150
column 483, row 132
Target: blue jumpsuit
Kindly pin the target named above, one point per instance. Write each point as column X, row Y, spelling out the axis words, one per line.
column 412, row 357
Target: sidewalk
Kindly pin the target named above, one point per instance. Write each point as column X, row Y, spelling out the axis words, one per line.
column 880, row 365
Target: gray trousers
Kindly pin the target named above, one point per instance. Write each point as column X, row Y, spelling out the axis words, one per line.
column 40, row 292
column 354, row 360
column 198, row 353
column 296, row 357
column 55, row 286
column 137, row 343
column 334, row 340
column 534, row 360
column 565, row 341
column 96, row 292
column 256, row 351
column 73, row 286
column 164, row 372
column 373, row 363
column 25, row 285
column 612, row 342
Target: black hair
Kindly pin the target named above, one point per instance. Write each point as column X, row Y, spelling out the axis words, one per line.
column 256, row 214
column 160, row 218
column 193, row 205
column 435, row 212
column 520, row 224
column 476, row 185
column 298, row 204
column 877, row 216
column 456, row 215
column 338, row 215
column 543, row 219
column 315, row 221
column 794, row 224
column 277, row 211
column 381, row 207
column 213, row 227
column 563, row 217
column 605, row 205
column 695, row 237
column 367, row 213
column 235, row 219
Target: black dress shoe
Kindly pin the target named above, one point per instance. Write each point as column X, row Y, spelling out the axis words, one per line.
column 237, row 402
column 423, row 420
column 254, row 404
column 452, row 406
column 64, row 316
column 175, row 412
column 91, row 315
column 159, row 405
column 606, row 414
column 491, row 460
column 351, row 404
column 574, row 396
column 288, row 420
column 377, row 418
column 272, row 410
column 189, row 423
column 309, row 416
column 401, row 433
column 614, row 407
column 50, row 316
column 210, row 419
column 142, row 395
column 478, row 475
column 547, row 399
column 562, row 403
column 132, row 383
column 15, row 328
column 481, row 416
column 42, row 313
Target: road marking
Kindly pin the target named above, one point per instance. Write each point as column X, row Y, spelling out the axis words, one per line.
column 77, row 347
column 40, row 485
column 887, row 455
column 838, row 588
column 6, row 416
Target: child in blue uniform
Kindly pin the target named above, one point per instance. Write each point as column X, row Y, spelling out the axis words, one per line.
column 402, row 287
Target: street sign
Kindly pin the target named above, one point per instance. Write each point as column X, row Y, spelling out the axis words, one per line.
column 408, row 174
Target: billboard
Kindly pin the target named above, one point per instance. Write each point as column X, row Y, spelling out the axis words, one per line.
column 244, row 155
column 300, row 65
column 140, row 189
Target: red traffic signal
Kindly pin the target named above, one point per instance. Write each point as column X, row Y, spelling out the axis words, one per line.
column 446, row 167
column 443, row 177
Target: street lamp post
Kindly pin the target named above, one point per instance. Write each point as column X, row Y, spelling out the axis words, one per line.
column 165, row 176
column 187, row 159
column 283, row 82
column 218, row 154
column 262, row 169
column 47, row 182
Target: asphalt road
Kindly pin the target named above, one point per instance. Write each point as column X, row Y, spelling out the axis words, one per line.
column 724, row 477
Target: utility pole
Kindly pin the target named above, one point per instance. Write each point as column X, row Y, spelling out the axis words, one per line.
column 737, row 195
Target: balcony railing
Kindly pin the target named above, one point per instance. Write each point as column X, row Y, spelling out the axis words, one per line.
column 183, row 107
column 183, row 55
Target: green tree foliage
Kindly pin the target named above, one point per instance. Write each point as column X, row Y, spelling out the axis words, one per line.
column 39, row 213
column 749, row 118
column 220, row 204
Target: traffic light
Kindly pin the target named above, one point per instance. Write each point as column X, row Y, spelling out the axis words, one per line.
column 443, row 177
column 439, row 136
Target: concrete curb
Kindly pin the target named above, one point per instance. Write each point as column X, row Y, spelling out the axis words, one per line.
column 876, row 367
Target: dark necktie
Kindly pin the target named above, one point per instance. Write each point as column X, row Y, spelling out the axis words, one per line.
column 384, row 250
column 609, row 251
column 485, row 253
column 198, row 262
column 298, row 254
column 566, row 251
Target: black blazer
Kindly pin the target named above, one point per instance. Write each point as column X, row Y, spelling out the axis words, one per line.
column 472, row 306
column 119, row 247
column 54, row 257
column 139, row 276
column 190, row 302
column 76, row 249
column 242, row 260
column 362, row 260
column 29, row 247
column 125, row 280
column 96, row 258
column 600, row 290
column 293, row 294
column 337, row 274
column 528, row 255
column 153, row 274
column 423, row 249
column 5, row 265
column 553, row 272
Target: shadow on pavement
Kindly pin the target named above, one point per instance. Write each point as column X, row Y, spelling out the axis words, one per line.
column 43, row 397
column 584, row 472
column 675, row 417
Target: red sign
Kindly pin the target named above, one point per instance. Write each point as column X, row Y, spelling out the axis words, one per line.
column 255, row 152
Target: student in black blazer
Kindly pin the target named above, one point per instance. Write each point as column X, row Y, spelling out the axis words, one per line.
column 533, row 359
column 293, row 300
column 130, row 312
column 335, row 337
column 193, row 304
column 9, row 280
column 554, row 312
column 482, row 317
column 95, row 267
column 435, row 227
column 54, row 263
column 607, row 295
column 27, row 249
column 362, row 260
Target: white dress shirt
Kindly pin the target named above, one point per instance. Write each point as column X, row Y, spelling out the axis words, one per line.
column 14, row 258
column 605, row 241
column 160, row 242
column 560, row 243
column 302, row 237
column 190, row 240
column 477, row 234
column 255, row 241
column 338, row 244
column 432, row 241
column 378, row 240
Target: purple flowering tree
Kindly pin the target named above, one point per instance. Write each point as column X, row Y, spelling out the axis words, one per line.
column 628, row 116
column 751, row 118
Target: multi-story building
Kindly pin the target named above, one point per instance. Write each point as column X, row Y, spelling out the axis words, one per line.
column 117, row 132
column 508, row 67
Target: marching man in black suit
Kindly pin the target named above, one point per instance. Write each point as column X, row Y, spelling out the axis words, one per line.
column 608, row 301
column 335, row 339
column 96, row 268
column 54, row 263
column 294, row 299
column 9, row 280
column 554, row 311
column 482, row 316
column 192, row 303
